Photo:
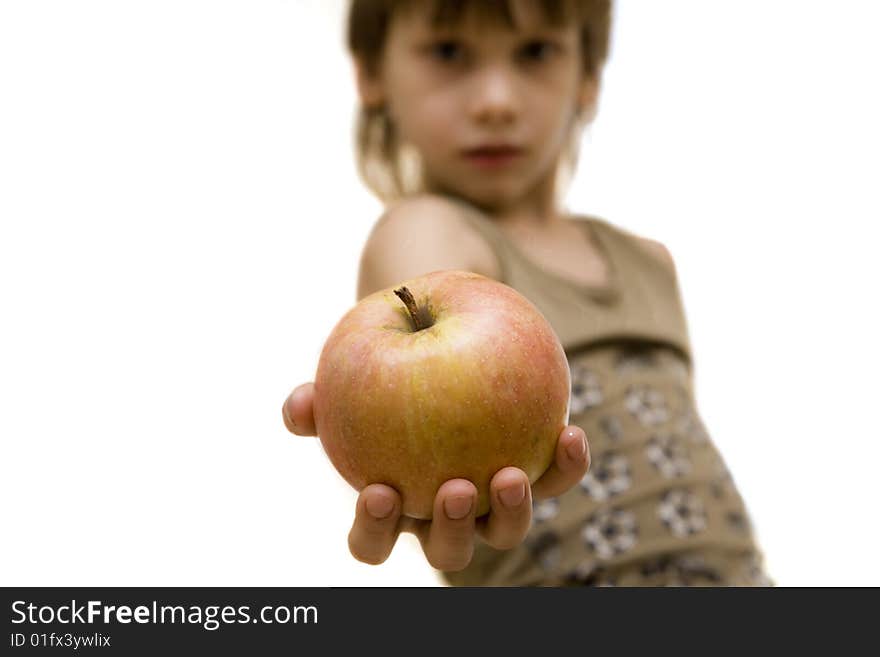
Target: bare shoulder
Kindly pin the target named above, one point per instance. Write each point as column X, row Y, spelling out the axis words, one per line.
column 420, row 212
column 419, row 235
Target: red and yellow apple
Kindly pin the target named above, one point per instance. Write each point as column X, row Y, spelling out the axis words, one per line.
column 451, row 374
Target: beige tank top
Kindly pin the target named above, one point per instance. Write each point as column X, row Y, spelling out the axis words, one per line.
column 640, row 302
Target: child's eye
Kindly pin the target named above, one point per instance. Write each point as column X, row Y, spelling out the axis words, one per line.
column 537, row 51
column 446, row 51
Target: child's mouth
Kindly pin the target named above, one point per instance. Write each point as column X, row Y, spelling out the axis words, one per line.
column 492, row 156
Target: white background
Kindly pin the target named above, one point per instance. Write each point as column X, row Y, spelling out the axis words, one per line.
column 181, row 223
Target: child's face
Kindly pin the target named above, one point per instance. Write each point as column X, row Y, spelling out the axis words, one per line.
column 451, row 90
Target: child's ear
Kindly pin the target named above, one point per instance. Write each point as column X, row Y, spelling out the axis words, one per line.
column 370, row 88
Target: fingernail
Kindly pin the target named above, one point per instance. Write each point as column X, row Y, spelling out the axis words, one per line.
column 457, row 507
column 379, row 506
column 286, row 415
column 577, row 449
column 513, row 495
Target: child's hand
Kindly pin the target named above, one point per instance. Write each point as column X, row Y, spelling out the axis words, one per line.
column 448, row 539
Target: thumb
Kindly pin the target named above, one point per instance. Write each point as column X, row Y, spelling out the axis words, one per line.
column 298, row 411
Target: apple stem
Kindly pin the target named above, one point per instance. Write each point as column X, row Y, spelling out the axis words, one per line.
column 419, row 315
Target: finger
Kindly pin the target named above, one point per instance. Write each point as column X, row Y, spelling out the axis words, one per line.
column 510, row 497
column 450, row 538
column 571, row 464
column 297, row 411
column 374, row 531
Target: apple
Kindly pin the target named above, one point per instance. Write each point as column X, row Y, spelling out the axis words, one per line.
column 451, row 374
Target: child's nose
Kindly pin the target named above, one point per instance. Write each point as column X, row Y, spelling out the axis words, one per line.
column 494, row 97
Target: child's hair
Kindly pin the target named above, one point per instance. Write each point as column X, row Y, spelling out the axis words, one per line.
column 385, row 165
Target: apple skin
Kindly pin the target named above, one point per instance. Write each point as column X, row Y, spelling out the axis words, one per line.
column 485, row 387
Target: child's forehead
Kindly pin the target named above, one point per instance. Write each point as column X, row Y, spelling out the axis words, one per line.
column 463, row 15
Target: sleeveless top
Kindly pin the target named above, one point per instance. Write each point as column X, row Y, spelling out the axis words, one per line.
column 657, row 486
column 640, row 302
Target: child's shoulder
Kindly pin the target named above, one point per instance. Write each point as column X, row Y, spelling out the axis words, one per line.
column 436, row 224
column 657, row 249
column 417, row 235
column 423, row 211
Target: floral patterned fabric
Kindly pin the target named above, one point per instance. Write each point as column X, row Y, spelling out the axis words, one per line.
column 658, row 505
